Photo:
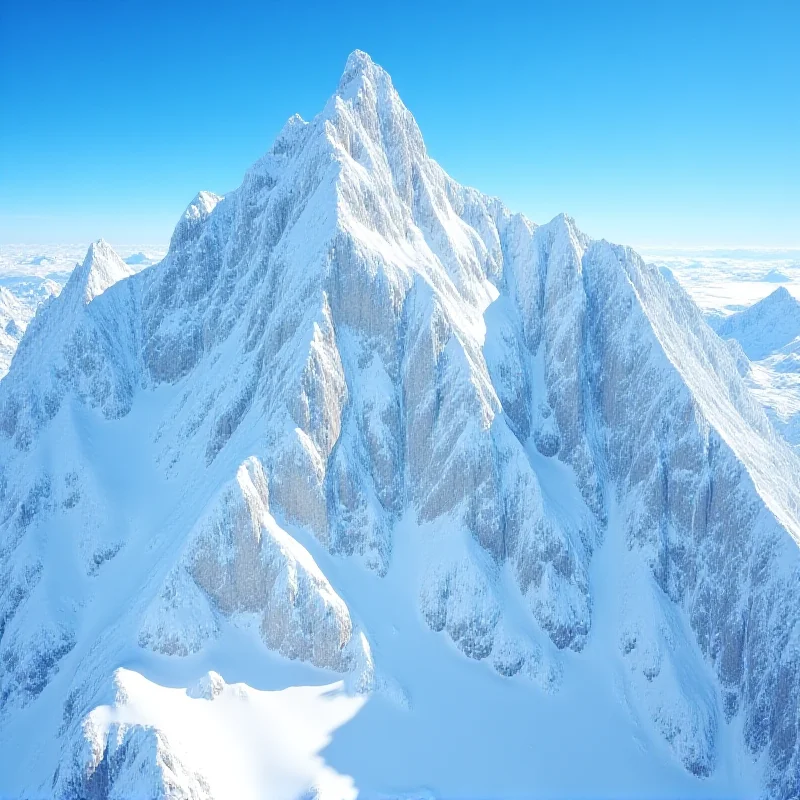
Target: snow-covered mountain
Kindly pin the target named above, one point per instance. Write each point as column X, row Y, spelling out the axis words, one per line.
column 14, row 317
column 766, row 326
column 373, row 487
column 723, row 281
column 29, row 278
column 16, row 311
column 769, row 335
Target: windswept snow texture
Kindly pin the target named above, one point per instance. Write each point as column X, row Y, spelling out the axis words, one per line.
column 373, row 488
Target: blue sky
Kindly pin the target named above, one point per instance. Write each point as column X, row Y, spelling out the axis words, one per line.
column 651, row 123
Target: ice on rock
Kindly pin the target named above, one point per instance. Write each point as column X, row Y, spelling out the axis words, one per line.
column 358, row 402
column 135, row 761
column 118, row 756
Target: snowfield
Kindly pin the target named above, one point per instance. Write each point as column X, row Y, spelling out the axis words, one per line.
column 373, row 488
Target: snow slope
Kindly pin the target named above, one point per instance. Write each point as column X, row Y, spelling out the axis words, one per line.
column 56, row 261
column 769, row 334
column 725, row 281
column 19, row 300
column 14, row 317
column 29, row 276
column 373, row 487
column 765, row 327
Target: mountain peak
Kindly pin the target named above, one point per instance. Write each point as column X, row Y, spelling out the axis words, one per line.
column 358, row 62
column 360, row 69
column 766, row 326
column 101, row 268
column 356, row 358
column 781, row 294
column 202, row 205
column 195, row 214
column 780, row 298
column 287, row 138
column 99, row 247
column 358, row 59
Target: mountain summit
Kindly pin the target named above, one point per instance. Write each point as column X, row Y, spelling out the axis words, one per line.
column 101, row 268
column 765, row 327
column 373, row 487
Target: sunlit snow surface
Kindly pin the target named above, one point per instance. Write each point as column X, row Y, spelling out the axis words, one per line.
column 30, row 274
column 724, row 281
column 56, row 261
column 259, row 722
column 725, row 284
column 371, row 487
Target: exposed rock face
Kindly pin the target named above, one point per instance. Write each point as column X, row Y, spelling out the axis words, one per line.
column 351, row 340
column 243, row 563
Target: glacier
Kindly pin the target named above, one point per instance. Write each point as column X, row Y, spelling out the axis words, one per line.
column 373, row 488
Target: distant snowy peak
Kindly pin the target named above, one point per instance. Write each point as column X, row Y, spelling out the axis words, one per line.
column 288, row 134
column 765, row 327
column 776, row 276
column 768, row 333
column 101, row 269
column 781, row 296
column 69, row 329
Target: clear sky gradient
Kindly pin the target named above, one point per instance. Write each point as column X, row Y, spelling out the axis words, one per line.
column 652, row 123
